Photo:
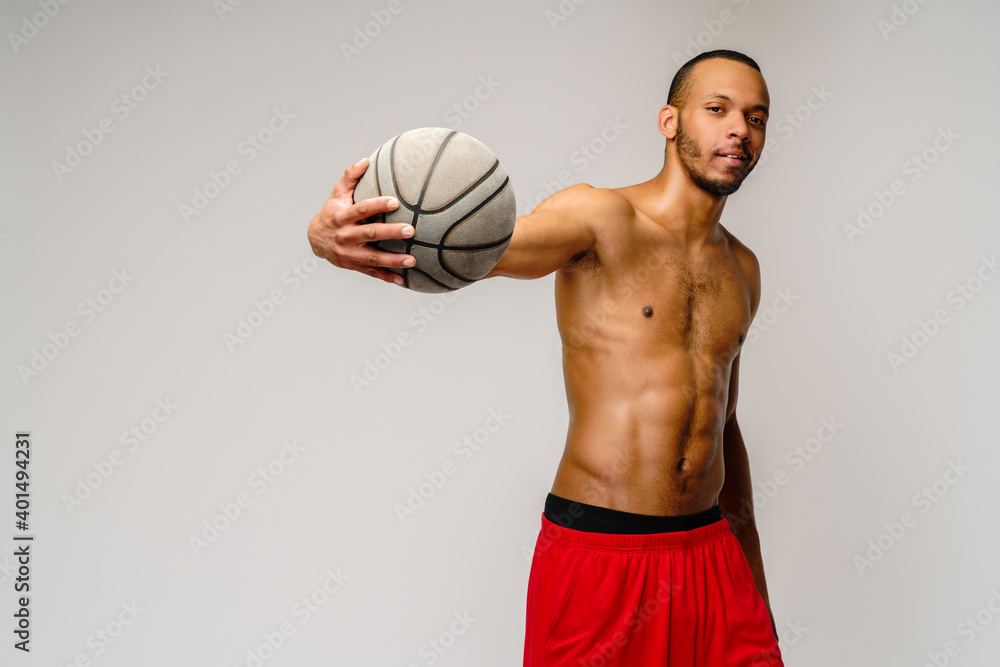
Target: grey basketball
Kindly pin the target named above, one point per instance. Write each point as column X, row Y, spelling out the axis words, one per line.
column 457, row 196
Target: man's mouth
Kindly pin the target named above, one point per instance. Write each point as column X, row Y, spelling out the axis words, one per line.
column 734, row 158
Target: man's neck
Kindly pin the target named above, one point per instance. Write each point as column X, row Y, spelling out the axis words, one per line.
column 681, row 207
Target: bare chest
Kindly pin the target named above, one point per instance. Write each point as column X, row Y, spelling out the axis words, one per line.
column 700, row 303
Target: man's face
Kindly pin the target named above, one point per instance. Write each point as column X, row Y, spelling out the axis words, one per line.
column 721, row 135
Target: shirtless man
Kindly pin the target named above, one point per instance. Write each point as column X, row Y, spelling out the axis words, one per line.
column 648, row 552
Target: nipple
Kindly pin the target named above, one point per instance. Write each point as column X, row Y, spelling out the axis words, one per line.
column 648, row 312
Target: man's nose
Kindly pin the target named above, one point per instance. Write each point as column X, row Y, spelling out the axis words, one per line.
column 739, row 129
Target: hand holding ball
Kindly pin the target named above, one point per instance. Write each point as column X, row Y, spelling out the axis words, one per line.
column 457, row 196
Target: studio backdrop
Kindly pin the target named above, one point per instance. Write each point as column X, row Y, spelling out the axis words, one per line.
column 221, row 450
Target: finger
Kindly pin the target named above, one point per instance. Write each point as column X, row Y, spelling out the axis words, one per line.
column 366, row 208
column 371, row 257
column 381, row 274
column 345, row 186
column 373, row 232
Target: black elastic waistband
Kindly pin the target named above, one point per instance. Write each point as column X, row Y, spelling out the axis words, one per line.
column 593, row 519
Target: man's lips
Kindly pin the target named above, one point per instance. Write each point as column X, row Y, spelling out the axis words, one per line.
column 733, row 158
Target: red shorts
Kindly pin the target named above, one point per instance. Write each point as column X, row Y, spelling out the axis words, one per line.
column 684, row 599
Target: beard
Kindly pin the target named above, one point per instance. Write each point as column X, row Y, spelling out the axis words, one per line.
column 688, row 151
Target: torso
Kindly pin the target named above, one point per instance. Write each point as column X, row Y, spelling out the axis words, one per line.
column 650, row 329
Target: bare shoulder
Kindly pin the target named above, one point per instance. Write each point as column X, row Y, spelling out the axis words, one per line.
column 748, row 263
column 588, row 202
column 605, row 214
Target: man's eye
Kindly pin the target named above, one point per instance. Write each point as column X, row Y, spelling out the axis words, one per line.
column 715, row 108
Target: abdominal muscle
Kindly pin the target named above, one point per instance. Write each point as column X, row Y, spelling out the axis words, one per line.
column 645, row 431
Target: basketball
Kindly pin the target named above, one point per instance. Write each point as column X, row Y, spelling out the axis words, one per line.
column 457, row 196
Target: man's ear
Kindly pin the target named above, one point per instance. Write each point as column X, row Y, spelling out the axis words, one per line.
column 667, row 121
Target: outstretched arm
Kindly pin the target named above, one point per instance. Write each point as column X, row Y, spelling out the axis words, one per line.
column 543, row 241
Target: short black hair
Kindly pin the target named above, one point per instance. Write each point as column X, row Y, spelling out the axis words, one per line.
column 681, row 85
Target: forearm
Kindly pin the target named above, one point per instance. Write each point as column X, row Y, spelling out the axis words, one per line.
column 736, row 503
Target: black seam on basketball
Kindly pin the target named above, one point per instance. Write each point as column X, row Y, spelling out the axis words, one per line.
column 444, row 237
column 395, row 183
column 447, row 267
column 402, row 202
column 427, row 182
column 436, row 281
column 454, row 225
column 482, row 179
column 430, row 171
column 484, row 246
column 493, row 195
column 415, row 209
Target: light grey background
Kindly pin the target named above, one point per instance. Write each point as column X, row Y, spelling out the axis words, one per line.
column 834, row 307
